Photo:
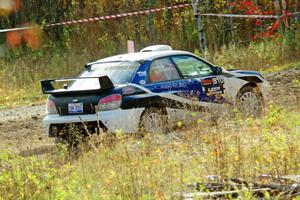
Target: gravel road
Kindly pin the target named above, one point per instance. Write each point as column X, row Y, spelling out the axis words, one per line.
column 285, row 88
column 21, row 127
column 22, row 113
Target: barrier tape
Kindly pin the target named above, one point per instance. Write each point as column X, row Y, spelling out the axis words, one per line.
column 115, row 16
column 15, row 29
column 240, row 16
column 249, row 16
column 147, row 12
column 101, row 18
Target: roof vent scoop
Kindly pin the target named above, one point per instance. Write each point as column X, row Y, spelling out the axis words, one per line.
column 157, row 48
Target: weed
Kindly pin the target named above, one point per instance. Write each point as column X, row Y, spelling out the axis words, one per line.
column 158, row 165
column 20, row 75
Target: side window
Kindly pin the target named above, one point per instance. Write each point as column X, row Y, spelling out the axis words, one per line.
column 192, row 67
column 162, row 70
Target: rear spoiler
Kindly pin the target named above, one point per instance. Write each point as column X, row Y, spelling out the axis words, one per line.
column 48, row 88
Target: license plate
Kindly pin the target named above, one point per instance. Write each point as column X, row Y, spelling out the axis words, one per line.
column 75, row 108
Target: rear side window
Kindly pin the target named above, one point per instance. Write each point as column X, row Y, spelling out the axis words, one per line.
column 118, row 72
column 192, row 67
column 163, row 70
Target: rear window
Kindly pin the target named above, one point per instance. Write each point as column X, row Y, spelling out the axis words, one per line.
column 118, row 72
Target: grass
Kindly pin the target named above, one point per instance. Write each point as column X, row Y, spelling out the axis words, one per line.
column 156, row 166
column 283, row 67
column 20, row 77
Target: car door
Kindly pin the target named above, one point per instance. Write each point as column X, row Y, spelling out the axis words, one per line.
column 170, row 87
column 165, row 78
column 203, row 83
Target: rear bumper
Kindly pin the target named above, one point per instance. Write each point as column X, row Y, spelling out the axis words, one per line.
column 125, row 120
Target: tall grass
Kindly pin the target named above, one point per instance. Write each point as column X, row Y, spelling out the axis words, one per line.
column 257, row 56
column 20, row 75
column 20, row 78
column 157, row 166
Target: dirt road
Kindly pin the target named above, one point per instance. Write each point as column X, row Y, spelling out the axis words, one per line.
column 21, row 127
column 285, row 88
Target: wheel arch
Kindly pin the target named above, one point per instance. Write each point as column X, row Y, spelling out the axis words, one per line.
column 257, row 90
column 253, row 85
column 160, row 105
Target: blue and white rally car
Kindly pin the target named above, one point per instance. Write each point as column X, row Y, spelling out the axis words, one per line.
column 148, row 90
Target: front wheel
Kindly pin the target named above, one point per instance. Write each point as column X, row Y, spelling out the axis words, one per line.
column 154, row 120
column 249, row 102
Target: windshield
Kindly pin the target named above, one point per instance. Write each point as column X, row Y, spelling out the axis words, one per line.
column 118, row 72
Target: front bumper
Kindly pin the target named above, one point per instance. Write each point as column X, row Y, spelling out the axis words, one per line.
column 125, row 120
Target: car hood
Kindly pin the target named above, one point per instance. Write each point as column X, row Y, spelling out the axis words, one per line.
column 246, row 72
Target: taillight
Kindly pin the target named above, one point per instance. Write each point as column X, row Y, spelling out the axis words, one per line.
column 110, row 102
column 50, row 107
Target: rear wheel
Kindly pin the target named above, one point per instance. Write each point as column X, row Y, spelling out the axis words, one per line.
column 249, row 102
column 154, row 120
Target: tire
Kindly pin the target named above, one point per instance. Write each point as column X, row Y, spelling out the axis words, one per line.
column 249, row 102
column 154, row 120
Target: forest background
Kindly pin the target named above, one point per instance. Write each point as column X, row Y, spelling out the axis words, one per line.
column 28, row 56
column 156, row 166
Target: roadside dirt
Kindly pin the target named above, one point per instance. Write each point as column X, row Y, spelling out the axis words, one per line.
column 285, row 88
column 21, row 127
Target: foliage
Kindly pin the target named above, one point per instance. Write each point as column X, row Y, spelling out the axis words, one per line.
column 64, row 50
column 21, row 76
column 144, row 30
column 157, row 166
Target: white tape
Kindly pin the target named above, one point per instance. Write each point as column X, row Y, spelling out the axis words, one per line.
column 249, row 16
column 240, row 16
column 15, row 29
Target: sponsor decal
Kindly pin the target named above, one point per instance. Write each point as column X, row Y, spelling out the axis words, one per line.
column 214, row 89
column 128, row 90
column 180, row 97
column 174, row 85
column 195, row 95
column 142, row 82
column 207, row 81
column 218, row 80
column 142, row 73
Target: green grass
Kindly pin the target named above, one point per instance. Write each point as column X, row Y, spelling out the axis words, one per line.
column 157, row 166
column 283, row 67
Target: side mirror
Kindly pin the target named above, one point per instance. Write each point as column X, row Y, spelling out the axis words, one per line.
column 87, row 65
column 218, row 70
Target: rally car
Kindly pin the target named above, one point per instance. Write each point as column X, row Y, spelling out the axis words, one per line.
column 148, row 90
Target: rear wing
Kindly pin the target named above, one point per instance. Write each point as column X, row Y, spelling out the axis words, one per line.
column 48, row 88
